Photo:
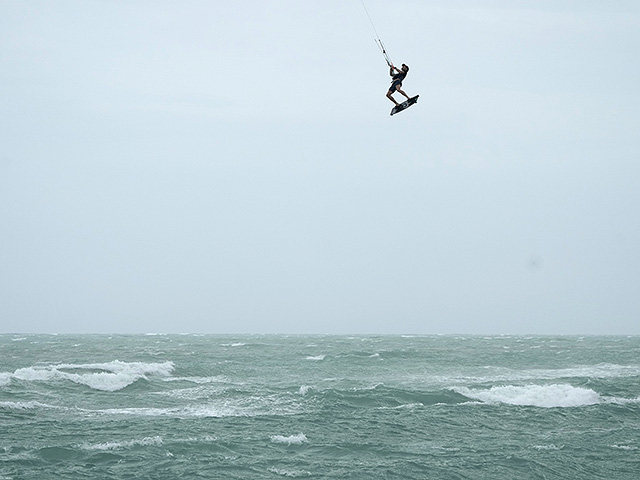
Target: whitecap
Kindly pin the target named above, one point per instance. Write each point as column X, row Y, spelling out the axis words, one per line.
column 147, row 441
column 298, row 439
column 109, row 377
column 34, row 374
column 546, row 396
column 201, row 391
column 289, row 473
column 548, row 447
column 621, row 401
column 198, row 380
column 21, row 406
column 316, row 358
column 139, row 411
column 201, row 411
column 304, row 389
column 627, row 448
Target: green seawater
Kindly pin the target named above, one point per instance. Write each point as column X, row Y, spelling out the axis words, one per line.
column 323, row 407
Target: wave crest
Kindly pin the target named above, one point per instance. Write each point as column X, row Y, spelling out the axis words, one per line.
column 143, row 442
column 546, row 396
column 298, row 439
column 108, row 377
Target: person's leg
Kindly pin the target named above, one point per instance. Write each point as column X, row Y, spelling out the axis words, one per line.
column 389, row 93
column 402, row 92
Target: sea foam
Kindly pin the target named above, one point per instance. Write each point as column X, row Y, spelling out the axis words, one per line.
column 26, row 405
column 298, row 439
column 147, row 441
column 290, row 473
column 109, row 377
column 304, row 389
column 546, row 396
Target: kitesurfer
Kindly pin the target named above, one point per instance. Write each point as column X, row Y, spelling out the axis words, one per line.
column 396, row 82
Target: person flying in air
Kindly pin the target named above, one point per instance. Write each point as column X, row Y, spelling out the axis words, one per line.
column 396, row 82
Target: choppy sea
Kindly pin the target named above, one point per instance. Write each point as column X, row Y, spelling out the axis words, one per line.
column 324, row 407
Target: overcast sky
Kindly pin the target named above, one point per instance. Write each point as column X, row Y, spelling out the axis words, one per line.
column 214, row 166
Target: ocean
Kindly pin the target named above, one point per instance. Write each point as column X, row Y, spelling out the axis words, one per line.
column 323, row 407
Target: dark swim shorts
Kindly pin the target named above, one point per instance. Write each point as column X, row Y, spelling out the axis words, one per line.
column 394, row 85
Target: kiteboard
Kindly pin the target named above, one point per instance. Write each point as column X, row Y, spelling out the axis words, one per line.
column 404, row 105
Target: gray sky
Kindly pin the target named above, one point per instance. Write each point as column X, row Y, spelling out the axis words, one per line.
column 210, row 166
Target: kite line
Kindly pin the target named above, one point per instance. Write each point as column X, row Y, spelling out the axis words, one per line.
column 377, row 37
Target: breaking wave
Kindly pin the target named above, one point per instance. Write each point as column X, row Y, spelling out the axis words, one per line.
column 545, row 396
column 298, row 439
column 143, row 442
column 108, row 377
